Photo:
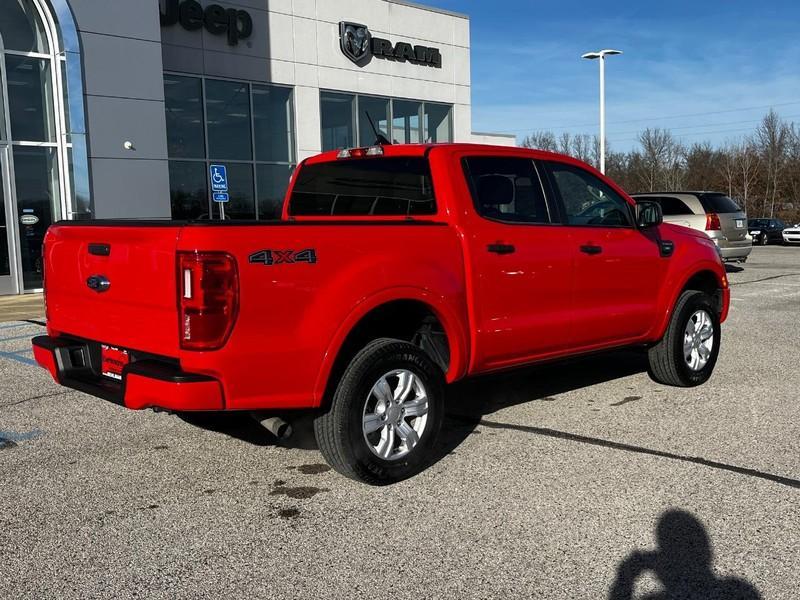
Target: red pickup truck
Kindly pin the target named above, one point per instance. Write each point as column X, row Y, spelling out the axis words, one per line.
column 393, row 271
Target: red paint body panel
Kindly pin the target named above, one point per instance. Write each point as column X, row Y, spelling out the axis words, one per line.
column 546, row 300
column 146, row 392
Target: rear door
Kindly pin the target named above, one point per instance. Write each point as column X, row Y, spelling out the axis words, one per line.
column 618, row 268
column 114, row 284
column 520, row 262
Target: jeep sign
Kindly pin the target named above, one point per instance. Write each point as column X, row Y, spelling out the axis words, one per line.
column 360, row 46
column 217, row 20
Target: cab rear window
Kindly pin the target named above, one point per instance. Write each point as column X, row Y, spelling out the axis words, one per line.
column 383, row 186
column 718, row 203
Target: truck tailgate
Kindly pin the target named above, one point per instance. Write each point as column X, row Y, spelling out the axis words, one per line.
column 138, row 310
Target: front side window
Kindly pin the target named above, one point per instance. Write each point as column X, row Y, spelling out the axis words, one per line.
column 506, row 189
column 364, row 187
column 588, row 200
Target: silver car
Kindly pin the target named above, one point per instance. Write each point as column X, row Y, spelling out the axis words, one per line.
column 791, row 235
column 712, row 212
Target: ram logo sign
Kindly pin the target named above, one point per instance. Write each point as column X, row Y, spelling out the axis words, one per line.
column 359, row 45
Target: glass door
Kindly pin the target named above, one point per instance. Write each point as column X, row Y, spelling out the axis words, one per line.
column 8, row 278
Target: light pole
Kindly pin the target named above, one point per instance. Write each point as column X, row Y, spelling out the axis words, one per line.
column 601, row 54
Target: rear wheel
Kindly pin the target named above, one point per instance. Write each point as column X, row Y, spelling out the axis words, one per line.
column 385, row 415
column 687, row 353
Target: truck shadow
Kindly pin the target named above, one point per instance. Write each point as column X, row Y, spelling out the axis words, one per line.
column 469, row 401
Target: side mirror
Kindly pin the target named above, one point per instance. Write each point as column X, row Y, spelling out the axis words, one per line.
column 648, row 214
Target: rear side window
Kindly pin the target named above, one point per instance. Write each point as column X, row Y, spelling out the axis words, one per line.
column 506, row 189
column 671, row 206
column 384, row 186
column 718, row 203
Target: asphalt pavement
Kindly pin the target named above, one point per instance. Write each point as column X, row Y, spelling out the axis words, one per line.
column 579, row 480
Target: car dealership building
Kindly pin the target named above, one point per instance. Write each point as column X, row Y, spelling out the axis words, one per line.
column 119, row 108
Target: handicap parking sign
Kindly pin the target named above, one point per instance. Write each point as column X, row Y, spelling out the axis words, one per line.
column 219, row 178
column 221, row 197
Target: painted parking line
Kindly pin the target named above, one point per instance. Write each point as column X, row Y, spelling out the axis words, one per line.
column 19, row 358
column 16, row 337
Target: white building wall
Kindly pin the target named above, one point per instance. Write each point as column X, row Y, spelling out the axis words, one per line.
column 494, row 139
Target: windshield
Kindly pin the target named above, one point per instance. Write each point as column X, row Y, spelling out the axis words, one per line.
column 758, row 223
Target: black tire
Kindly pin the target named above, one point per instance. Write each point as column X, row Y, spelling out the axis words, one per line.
column 338, row 429
column 667, row 363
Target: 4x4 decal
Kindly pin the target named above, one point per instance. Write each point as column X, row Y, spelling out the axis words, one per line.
column 279, row 257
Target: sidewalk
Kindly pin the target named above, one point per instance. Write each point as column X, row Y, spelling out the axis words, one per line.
column 18, row 308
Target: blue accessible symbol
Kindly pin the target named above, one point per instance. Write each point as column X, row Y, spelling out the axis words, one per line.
column 219, row 178
column 221, row 197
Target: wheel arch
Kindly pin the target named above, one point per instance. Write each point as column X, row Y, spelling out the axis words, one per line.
column 707, row 278
column 393, row 313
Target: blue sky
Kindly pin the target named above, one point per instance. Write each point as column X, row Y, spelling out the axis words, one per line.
column 725, row 63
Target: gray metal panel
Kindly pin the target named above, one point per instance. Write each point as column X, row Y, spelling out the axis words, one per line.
column 219, row 64
column 127, row 18
column 182, row 59
column 125, row 188
column 117, row 120
column 122, row 67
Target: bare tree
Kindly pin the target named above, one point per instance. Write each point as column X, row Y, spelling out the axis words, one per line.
column 541, row 140
column 662, row 159
column 772, row 137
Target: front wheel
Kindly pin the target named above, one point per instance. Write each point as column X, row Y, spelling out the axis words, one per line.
column 687, row 353
column 385, row 415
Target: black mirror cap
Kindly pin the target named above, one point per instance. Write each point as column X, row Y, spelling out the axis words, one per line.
column 648, row 214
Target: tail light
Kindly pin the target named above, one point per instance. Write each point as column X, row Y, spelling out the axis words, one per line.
column 712, row 222
column 208, row 299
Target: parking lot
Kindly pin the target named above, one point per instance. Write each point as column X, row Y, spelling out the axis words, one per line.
column 579, row 480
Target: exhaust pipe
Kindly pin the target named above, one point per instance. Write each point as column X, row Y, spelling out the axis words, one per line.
column 276, row 426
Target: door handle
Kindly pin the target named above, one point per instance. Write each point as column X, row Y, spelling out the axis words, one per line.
column 501, row 248
column 591, row 249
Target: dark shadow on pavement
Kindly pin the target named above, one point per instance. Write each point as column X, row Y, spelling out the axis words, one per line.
column 682, row 563
column 731, row 268
column 470, row 400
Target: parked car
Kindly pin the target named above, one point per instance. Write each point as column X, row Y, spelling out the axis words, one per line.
column 791, row 235
column 394, row 270
column 713, row 212
column 766, row 231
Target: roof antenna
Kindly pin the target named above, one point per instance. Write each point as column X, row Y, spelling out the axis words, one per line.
column 380, row 139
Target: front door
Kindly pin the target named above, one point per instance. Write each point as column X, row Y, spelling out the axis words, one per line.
column 618, row 267
column 8, row 277
column 521, row 263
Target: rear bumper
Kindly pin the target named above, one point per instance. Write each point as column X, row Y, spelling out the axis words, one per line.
column 735, row 250
column 145, row 383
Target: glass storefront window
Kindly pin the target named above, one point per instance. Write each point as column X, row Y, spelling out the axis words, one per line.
column 184, row 110
column 406, row 122
column 5, row 256
column 36, row 178
column 187, row 190
column 437, row 123
column 272, row 123
column 21, row 28
column 344, row 119
column 30, row 98
column 378, row 111
column 272, row 180
column 338, row 130
column 258, row 166
column 228, row 120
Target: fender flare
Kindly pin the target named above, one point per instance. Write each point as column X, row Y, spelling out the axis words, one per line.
column 448, row 315
column 674, row 292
